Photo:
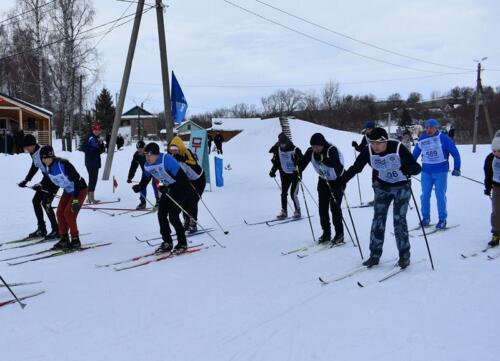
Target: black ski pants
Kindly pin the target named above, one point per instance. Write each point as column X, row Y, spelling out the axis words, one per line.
column 289, row 181
column 326, row 202
column 43, row 200
column 193, row 197
column 93, row 174
column 168, row 212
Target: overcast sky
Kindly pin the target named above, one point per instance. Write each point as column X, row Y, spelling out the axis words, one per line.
column 223, row 55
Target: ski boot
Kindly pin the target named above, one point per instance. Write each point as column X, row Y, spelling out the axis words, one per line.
column 40, row 232
column 141, row 205
column 425, row 222
column 282, row 215
column 325, row 237
column 186, row 224
column 297, row 214
column 404, row 262
column 370, row 262
column 165, row 247
column 495, row 240
column 52, row 235
column 63, row 243
column 441, row 224
column 193, row 226
column 75, row 243
column 338, row 239
column 180, row 248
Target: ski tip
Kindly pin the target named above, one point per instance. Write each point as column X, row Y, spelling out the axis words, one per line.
column 490, row 258
column 463, row 256
column 360, row 284
column 302, row 256
column 323, row 282
column 226, row 232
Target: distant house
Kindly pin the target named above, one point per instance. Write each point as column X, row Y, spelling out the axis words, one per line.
column 18, row 115
column 141, row 122
column 183, row 130
column 231, row 127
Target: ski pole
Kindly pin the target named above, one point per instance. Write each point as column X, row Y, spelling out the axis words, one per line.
column 359, row 187
column 13, row 294
column 307, row 210
column 275, row 181
column 310, row 195
column 202, row 201
column 421, row 226
column 198, row 223
column 353, row 226
column 45, row 191
column 472, row 180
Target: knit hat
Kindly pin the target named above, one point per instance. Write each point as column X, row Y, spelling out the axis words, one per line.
column 283, row 139
column 47, row 152
column 370, row 124
column 495, row 144
column 432, row 123
column 152, row 148
column 29, row 139
column 140, row 144
column 318, row 139
column 95, row 126
column 378, row 135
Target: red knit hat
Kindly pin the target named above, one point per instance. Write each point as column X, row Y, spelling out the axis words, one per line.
column 95, row 126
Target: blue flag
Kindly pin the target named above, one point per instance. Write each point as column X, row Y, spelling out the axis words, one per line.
column 179, row 103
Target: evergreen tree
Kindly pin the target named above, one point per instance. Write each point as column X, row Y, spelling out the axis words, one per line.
column 105, row 110
column 405, row 119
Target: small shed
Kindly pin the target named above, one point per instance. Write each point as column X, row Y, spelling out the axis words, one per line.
column 184, row 129
column 141, row 122
column 17, row 115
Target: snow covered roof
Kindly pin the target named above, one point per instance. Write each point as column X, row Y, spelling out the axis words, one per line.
column 233, row 123
column 135, row 112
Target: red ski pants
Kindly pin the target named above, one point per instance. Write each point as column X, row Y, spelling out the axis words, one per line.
column 66, row 218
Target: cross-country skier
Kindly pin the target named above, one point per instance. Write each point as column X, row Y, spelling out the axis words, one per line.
column 45, row 191
column 492, row 188
column 328, row 162
column 196, row 176
column 435, row 148
column 93, row 146
column 286, row 159
column 175, row 187
column 62, row 173
column 368, row 128
column 392, row 164
column 138, row 160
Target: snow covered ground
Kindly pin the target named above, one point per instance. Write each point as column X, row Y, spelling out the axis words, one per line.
column 247, row 301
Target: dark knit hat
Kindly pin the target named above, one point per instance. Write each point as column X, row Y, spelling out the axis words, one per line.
column 283, row 139
column 140, row 144
column 378, row 135
column 152, row 148
column 47, row 152
column 370, row 124
column 318, row 139
column 29, row 139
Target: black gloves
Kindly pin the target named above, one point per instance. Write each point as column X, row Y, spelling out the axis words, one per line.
column 37, row 187
column 272, row 174
column 23, row 183
column 354, row 144
column 163, row 188
column 129, row 180
column 136, row 188
column 487, row 192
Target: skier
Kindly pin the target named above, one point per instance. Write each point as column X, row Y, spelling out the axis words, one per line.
column 218, row 139
column 138, row 160
column 62, row 173
column 328, row 162
column 196, row 176
column 44, row 191
column 286, row 158
column 209, row 140
column 120, row 141
column 93, row 146
column 368, row 128
column 492, row 188
column 435, row 148
column 407, row 139
column 166, row 169
column 392, row 164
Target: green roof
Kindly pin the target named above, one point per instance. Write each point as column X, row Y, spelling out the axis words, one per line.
column 136, row 111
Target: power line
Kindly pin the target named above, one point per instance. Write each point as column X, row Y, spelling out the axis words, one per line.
column 113, row 26
column 329, row 43
column 357, row 40
column 83, row 32
column 27, row 12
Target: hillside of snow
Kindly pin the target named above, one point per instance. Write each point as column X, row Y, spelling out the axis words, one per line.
column 247, row 301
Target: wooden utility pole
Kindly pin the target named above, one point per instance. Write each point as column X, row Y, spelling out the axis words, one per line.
column 81, row 108
column 169, row 125
column 123, row 89
column 480, row 101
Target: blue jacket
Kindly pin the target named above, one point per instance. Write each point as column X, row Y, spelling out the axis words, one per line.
column 92, row 148
column 447, row 146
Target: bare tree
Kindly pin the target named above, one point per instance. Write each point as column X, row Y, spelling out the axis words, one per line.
column 329, row 96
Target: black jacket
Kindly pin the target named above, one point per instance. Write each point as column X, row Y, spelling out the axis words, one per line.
column 330, row 157
column 137, row 161
column 409, row 165
column 74, row 176
column 275, row 160
column 488, row 173
column 218, row 139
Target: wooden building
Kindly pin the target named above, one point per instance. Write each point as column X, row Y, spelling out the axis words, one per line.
column 141, row 122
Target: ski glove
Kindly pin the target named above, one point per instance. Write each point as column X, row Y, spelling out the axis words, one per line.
column 163, row 188
column 75, row 206
column 487, row 192
column 23, row 183
column 136, row 188
column 272, row 174
column 129, row 180
column 37, row 187
column 456, row 173
column 354, row 144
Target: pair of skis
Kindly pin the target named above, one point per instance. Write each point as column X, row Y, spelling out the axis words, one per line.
column 148, row 240
column 274, row 221
column 13, row 300
column 483, row 251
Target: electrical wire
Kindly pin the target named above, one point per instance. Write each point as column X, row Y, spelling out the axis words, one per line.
column 26, row 12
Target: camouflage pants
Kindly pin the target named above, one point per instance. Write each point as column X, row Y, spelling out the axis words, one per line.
column 383, row 197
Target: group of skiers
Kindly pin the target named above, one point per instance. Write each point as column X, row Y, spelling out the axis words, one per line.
column 393, row 166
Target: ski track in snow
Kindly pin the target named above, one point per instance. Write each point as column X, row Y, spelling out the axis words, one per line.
column 247, row 301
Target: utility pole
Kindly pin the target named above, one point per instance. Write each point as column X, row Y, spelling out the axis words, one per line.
column 80, row 106
column 169, row 126
column 123, row 88
column 480, row 101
